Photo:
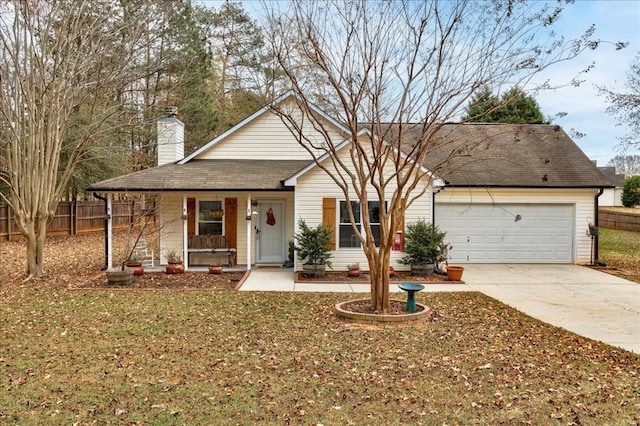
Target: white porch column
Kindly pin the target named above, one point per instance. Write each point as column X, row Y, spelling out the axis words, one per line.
column 109, row 230
column 185, row 232
column 248, row 218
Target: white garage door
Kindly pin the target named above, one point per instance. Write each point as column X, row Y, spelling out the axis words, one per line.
column 489, row 233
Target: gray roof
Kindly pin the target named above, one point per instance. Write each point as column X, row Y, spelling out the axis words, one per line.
column 206, row 175
column 511, row 155
column 464, row 155
column 616, row 179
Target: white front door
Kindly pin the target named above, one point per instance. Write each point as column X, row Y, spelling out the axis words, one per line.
column 269, row 227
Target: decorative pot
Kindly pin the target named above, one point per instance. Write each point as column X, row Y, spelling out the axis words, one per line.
column 137, row 267
column 313, row 271
column 215, row 269
column 120, row 276
column 422, row 270
column 454, row 273
column 354, row 272
column 174, row 268
column 392, row 271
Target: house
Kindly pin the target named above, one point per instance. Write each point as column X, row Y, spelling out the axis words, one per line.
column 612, row 197
column 512, row 193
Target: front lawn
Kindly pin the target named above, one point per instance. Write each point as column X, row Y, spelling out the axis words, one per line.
column 621, row 249
column 139, row 357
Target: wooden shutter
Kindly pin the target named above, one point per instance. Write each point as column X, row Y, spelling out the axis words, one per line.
column 329, row 218
column 191, row 216
column 231, row 221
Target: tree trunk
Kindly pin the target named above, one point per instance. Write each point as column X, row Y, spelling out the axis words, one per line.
column 35, row 237
column 379, row 278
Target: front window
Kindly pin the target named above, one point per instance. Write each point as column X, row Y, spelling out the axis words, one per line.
column 210, row 217
column 348, row 238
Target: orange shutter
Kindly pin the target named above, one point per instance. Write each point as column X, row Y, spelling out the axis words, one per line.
column 231, row 221
column 329, row 218
column 191, row 216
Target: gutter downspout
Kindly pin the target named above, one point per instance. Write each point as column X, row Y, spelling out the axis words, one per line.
column 106, row 237
column 596, row 260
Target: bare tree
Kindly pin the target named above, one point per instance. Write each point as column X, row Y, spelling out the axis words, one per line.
column 63, row 64
column 627, row 165
column 626, row 105
column 401, row 71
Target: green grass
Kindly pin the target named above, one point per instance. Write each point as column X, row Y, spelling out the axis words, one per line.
column 621, row 249
column 243, row 358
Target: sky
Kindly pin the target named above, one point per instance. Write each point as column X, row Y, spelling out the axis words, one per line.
column 586, row 110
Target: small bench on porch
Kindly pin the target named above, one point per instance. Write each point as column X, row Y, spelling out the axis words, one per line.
column 215, row 245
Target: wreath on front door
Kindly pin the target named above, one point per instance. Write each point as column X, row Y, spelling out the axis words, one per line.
column 271, row 219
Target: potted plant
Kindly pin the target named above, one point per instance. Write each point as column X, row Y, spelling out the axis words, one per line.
column 353, row 270
column 313, row 248
column 215, row 268
column 421, row 246
column 174, row 263
column 136, row 264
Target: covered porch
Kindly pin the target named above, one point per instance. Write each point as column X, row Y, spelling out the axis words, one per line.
column 233, row 229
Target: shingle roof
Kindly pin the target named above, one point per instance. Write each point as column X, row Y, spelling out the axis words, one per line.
column 616, row 179
column 202, row 175
column 511, row 155
column 464, row 155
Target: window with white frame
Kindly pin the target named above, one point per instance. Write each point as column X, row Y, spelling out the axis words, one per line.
column 347, row 237
column 210, row 217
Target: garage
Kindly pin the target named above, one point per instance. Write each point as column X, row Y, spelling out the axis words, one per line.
column 508, row 233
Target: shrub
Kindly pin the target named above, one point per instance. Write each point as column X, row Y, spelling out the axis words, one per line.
column 631, row 191
column 313, row 244
column 422, row 243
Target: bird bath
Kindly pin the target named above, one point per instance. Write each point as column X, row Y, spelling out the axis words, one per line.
column 411, row 289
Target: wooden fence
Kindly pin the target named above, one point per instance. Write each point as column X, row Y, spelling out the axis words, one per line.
column 629, row 221
column 79, row 217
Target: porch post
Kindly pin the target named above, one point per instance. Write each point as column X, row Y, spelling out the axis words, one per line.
column 185, row 232
column 248, row 232
column 109, row 220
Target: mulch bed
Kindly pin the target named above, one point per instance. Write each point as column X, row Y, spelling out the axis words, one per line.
column 399, row 277
column 163, row 281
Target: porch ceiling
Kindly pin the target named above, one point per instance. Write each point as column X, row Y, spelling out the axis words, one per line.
column 203, row 175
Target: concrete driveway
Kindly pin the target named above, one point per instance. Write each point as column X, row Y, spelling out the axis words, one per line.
column 587, row 302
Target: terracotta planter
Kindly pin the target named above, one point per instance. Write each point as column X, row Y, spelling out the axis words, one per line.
column 215, row 269
column 454, row 273
column 137, row 267
column 354, row 272
column 174, row 268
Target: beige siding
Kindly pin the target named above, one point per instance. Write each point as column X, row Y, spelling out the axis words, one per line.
column 266, row 137
column 315, row 185
column 581, row 199
column 172, row 223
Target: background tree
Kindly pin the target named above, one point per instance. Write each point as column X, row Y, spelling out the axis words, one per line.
column 64, row 64
column 631, row 192
column 415, row 64
column 514, row 106
column 626, row 105
column 239, row 59
column 626, row 164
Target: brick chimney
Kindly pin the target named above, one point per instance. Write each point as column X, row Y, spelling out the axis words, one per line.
column 170, row 137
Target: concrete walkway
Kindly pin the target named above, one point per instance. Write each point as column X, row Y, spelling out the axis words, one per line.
column 590, row 303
